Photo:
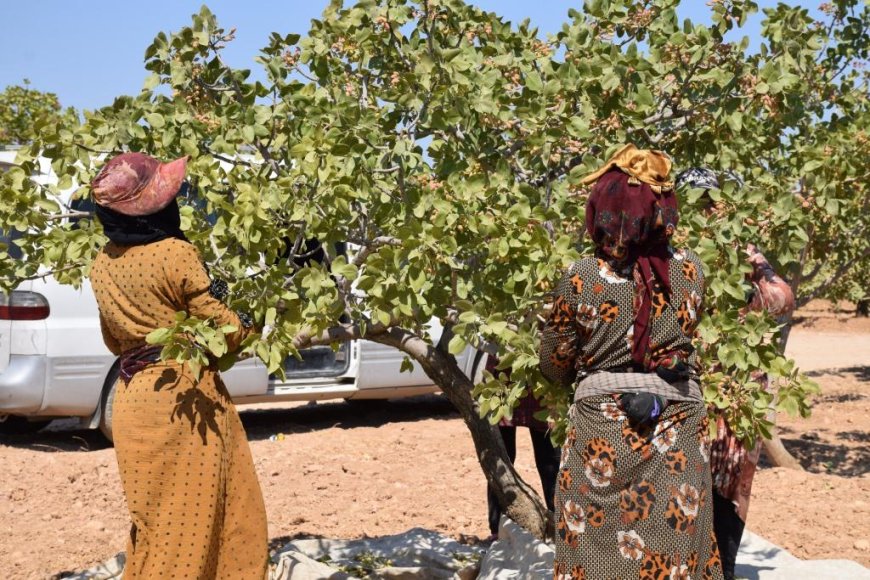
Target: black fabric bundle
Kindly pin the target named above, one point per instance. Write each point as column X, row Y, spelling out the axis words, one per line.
column 643, row 408
column 128, row 230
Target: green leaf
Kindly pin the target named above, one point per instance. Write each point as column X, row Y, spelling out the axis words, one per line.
column 456, row 345
column 534, row 82
column 735, row 121
column 644, row 96
column 812, row 165
column 151, row 81
column 159, row 336
column 155, row 120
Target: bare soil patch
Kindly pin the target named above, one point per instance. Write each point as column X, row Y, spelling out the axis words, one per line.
column 823, row 512
column 348, row 471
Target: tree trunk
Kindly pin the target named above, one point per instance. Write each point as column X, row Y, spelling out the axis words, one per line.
column 863, row 307
column 520, row 502
column 777, row 454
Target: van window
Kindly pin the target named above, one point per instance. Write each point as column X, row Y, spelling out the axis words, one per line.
column 190, row 194
column 81, row 204
column 8, row 245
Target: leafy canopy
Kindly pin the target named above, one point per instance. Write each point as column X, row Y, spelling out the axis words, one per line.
column 447, row 146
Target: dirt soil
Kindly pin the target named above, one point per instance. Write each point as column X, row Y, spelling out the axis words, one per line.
column 350, row 470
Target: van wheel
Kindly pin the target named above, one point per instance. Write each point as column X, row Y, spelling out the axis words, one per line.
column 15, row 425
column 107, row 402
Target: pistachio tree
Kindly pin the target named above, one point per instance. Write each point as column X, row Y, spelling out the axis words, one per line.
column 446, row 146
column 24, row 111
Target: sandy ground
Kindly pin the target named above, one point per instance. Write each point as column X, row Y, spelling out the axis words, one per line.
column 345, row 470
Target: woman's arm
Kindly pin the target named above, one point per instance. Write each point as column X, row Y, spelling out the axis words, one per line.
column 772, row 293
column 194, row 283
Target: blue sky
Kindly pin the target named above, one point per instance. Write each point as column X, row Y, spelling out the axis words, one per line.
column 90, row 52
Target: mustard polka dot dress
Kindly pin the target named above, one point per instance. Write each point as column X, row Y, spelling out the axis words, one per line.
column 196, row 506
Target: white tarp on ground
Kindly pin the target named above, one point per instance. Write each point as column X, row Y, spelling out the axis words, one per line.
column 759, row 559
column 425, row 555
column 516, row 554
column 417, row 554
column 109, row 570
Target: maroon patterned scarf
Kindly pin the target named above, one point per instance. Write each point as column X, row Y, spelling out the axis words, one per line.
column 631, row 225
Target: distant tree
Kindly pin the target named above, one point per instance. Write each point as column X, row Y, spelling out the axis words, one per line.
column 24, row 112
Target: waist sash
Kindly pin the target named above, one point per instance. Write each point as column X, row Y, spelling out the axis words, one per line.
column 136, row 359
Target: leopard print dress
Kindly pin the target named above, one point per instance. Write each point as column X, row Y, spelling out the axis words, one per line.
column 631, row 502
column 635, row 503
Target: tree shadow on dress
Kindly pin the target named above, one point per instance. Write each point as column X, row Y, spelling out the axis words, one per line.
column 193, row 405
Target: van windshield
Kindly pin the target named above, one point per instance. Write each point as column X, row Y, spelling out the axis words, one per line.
column 8, row 245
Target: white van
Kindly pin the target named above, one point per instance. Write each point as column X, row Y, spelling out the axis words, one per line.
column 53, row 362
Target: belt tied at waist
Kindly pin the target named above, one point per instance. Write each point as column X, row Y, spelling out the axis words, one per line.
column 136, row 359
column 608, row 383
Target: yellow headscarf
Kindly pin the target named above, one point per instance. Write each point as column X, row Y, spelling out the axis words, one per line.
column 642, row 165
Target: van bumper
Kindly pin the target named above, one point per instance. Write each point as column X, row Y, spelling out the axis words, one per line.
column 22, row 384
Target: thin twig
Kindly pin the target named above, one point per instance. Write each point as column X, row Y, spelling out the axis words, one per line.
column 264, row 151
column 370, row 246
column 51, row 272
column 72, row 214
column 220, row 157
column 391, row 169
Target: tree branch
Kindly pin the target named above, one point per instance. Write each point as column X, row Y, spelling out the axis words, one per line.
column 51, row 273
column 370, row 247
column 839, row 273
column 391, row 169
column 814, row 272
column 237, row 89
column 339, row 333
column 557, row 172
column 225, row 159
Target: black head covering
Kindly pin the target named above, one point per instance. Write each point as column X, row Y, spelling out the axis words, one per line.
column 128, row 230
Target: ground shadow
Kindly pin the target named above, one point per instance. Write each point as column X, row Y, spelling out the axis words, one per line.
column 809, row 320
column 841, row 398
column 67, row 435
column 750, row 571
column 826, row 451
column 753, row 560
column 275, row 544
column 60, row 435
column 856, row 436
column 263, row 423
column 860, row 372
column 820, row 456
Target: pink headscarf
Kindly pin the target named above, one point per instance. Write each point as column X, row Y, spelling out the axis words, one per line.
column 136, row 184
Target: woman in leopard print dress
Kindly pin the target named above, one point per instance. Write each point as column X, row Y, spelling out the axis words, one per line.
column 633, row 498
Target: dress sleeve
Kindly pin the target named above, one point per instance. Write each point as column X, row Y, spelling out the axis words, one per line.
column 772, row 293
column 194, row 282
column 560, row 338
column 111, row 342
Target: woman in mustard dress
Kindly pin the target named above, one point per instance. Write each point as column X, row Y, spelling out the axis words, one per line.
column 195, row 503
